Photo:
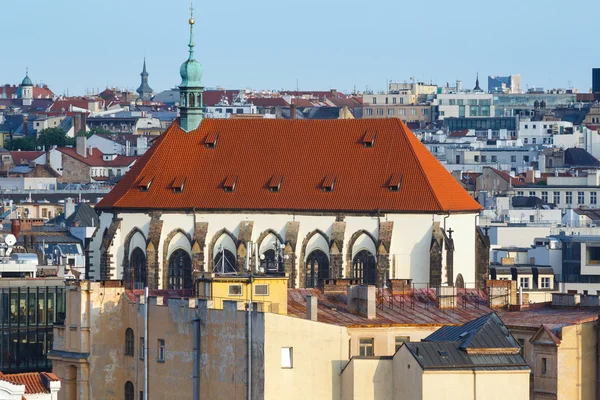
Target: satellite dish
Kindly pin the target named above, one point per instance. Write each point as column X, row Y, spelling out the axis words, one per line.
column 10, row 240
column 262, row 256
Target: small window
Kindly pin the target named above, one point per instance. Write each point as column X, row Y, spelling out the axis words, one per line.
column 141, row 354
column 544, row 366
column 261, row 290
column 211, row 140
column 230, row 183
column 235, row 290
column 400, row 341
column 522, row 345
column 329, row 183
column 593, row 255
column 129, row 342
column 369, row 139
column 287, row 357
column 366, row 347
column 275, row 183
column 161, row 350
column 524, row 283
column 145, row 182
column 395, row 183
column 178, row 184
column 546, row 283
column 129, row 391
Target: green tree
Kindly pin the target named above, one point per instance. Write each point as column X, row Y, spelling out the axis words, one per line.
column 25, row 144
column 94, row 131
column 52, row 137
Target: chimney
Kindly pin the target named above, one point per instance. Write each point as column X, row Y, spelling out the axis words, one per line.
column 90, row 150
column 311, row 308
column 529, row 176
column 361, row 299
column 77, row 123
column 81, row 146
column 15, row 227
column 25, row 123
column 69, row 207
column 292, row 111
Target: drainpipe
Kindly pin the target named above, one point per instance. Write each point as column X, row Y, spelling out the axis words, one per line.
column 146, row 343
column 249, row 327
column 196, row 377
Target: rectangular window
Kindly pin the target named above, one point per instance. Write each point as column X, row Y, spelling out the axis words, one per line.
column 401, row 100
column 513, row 158
column 494, row 158
column 235, row 290
column 533, row 141
column 261, row 290
column 569, row 197
column 525, row 140
column 161, row 350
column 546, row 283
column 400, row 340
column 413, row 111
column 593, row 198
column 525, row 159
column 374, row 100
column 476, row 158
column 524, row 282
column 521, row 344
column 368, row 111
column 544, row 366
column 390, row 111
column 380, row 111
column 580, row 197
column 460, row 102
column 141, row 395
column 531, row 194
column 393, row 100
column 593, row 255
column 534, row 126
column 545, row 197
column 366, row 347
column 483, row 158
column 287, row 357
column 402, row 111
column 142, row 348
column 386, row 100
column 556, row 198
column 520, row 193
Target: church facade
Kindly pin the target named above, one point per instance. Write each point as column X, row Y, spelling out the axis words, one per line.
column 317, row 201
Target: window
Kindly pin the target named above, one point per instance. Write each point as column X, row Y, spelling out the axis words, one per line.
column 476, row 158
column 593, row 255
column 580, row 198
column 401, row 111
column 525, row 140
column 393, row 100
column 141, row 348
column 366, row 347
column 235, row 290
column 287, row 357
column 545, row 283
column 380, row 111
column 526, row 126
column 569, row 197
column 390, row 111
column 533, row 140
column 161, row 350
column 141, row 395
column 483, row 158
column 526, row 159
column 545, row 197
column 494, row 158
column 386, row 100
column 180, row 270
column 400, row 340
column 520, row 193
column 544, row 366
column 129, row 342
column 374, row 100
column 261, row 290
column 534, row 126
column 522, row 345
column 425, row 112
column 513, row 158
column 531, row 194
column 368, row 111
column 524, row 282
column 413, row 111
column 556, row 198
column 129, row 391
column 593, row 198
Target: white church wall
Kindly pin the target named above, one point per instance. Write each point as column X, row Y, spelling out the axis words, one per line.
column 317, row 242
column 463, row 226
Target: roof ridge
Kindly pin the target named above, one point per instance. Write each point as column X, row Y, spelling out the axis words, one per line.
column 418, row 161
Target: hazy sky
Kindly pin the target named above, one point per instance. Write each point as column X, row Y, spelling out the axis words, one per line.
column 269, row 44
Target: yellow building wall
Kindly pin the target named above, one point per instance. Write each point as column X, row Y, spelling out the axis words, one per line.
column 275, row 301
column 480, row 385
column 368, row 379
column 408, row 376
column 384, row 338
column 320, row 352
column 576, row 362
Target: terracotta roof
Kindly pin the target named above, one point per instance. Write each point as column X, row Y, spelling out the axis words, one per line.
column 95, row 159
column 25, row 157
column 35, row 382
column 458, row 134
column 508, row 178
column 305, row 152
column 269, row 101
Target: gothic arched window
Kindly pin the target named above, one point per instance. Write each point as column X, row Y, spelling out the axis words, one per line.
column 129, row 392
column 224, row 262
column 180, row 270
column 364, row 268
column 138, row 269
column 316, row 268
column 129, row 342
column 192, row 100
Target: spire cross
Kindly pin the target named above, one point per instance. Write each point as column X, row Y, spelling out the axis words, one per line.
column 191, row 9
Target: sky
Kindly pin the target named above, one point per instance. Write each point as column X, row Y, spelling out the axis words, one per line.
column 77, row 46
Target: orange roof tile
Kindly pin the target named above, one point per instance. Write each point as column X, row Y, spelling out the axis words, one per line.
column 178, row 183
column 304, row 151
column 34, row 381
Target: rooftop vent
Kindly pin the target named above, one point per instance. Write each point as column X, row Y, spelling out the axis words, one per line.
column 275, row 183
column 178, row 184
column 395, row 183
column 369, row 139
column 211, row 140
column 443, row 353
column 463, row 335
column 329, row 183
column 145, row 182
column 230, row 182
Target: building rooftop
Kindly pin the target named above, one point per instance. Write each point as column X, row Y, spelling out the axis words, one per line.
column 34, row 382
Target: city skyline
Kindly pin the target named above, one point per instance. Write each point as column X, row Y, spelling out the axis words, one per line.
column 328, row 48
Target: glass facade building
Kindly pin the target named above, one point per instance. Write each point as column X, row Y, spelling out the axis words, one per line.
column 27, row 315
column 493, row 123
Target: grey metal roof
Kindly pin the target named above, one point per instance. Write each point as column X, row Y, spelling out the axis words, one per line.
column 84, row 215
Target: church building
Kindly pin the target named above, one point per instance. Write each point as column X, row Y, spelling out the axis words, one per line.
column 314, row 200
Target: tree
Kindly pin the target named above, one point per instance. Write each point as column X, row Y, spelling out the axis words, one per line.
column 94, row 131
column 52, row 137
column 24, row 143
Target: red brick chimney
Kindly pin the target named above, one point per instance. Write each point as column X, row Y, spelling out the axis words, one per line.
column 292, row 111
column 15, row 227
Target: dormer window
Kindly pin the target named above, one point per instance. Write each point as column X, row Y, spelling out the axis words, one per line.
column 369, row 139
column 211, row 140
column 275, row 183
column 329, row 183
column 230, row 182
column 145, row 182
column 178, row 184
column 395, row 183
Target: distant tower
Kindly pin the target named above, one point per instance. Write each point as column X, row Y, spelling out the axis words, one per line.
column 145, row 91
column 190, row 89
column 477, row 88
column 26, row 90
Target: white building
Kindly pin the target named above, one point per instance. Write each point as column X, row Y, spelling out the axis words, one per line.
column 468, row 104
column 543, row 132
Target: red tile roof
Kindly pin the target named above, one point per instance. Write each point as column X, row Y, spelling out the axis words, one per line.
column 458, row 134
column 25, row 157
column 304, row 151
column 95, row 159
column 35, row 382
column 269, row 102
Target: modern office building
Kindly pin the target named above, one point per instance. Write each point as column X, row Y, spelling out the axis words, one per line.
column 504, row 84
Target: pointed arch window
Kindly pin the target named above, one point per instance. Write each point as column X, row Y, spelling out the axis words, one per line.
column 129, row 342
column 364, row 268
column 316, row 269
column 138, row 278
column 180, row 270
column 225, row 261
column 129, row 391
